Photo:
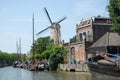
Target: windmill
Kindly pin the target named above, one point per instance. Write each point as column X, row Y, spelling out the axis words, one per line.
column 55, row 29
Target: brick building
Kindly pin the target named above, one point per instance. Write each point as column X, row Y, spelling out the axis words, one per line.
column 88, row 31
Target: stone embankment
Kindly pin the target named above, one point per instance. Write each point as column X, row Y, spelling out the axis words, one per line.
column 74, row 67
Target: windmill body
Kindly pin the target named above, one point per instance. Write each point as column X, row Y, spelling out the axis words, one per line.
column 55, row 33
column 54, row 29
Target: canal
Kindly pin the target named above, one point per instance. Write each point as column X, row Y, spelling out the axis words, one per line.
column 10, row 73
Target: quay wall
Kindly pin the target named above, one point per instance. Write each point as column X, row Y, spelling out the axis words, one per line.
column 74, row 67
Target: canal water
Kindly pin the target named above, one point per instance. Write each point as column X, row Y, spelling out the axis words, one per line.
column 10, row 73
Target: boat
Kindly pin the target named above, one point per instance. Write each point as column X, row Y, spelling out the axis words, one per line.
column 15, row 64
column 98, row 65
column 104, row 68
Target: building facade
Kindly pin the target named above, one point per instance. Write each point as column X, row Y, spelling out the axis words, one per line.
column 88, row 31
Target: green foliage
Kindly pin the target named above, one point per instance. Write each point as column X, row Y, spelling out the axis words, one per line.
column 44, row 48
column 30, row 58
column 56, row 57
column 114, row 12
column 73, row 39
column 37, row 56
column 46, row 54
column 23, row 56
column 42, row 44
column 50, row 45
column 7, row 57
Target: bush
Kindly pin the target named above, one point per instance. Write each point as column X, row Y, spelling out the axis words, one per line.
column 37, row 56
column 56, row 58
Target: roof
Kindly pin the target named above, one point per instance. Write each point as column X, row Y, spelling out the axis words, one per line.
column 89, row 21
column 106, row 41
column 109, row 39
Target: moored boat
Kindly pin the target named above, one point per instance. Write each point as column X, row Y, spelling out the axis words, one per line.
column 107, row 64
column 15, row 64
column 104, row 68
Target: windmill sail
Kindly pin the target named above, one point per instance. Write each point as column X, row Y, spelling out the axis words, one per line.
column 61, row 19
column 43, row 30
column 55, row 29
column 48, row 16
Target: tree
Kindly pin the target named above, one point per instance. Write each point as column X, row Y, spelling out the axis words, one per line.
column 56, row 57
column 30, row 58
column 13, row 57
column 42, row 44
column 37, row 56
column 46, row 54
column 23, row 56
column 8, row 58
column 73, row 39
column 114, row 13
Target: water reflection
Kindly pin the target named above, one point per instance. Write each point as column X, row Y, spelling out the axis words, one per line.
column 9, row 73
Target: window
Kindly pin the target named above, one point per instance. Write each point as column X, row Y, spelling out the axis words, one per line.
column 84, row 34
column 80, row 35
column 88, row 35
column 73, row 50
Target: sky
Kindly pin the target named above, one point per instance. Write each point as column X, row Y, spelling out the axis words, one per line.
column 16, row 19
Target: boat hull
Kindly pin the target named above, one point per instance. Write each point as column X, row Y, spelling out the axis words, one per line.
column 101, row 70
